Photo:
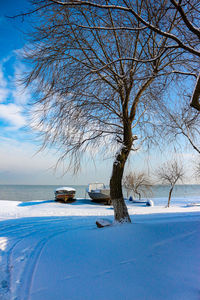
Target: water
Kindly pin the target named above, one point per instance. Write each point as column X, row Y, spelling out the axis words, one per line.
column 34, row 192
column 181, row 193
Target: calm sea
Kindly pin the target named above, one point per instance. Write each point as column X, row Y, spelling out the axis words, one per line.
column 181, row 193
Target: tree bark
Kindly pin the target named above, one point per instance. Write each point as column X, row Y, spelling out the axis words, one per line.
column 196, row 95
column 169, row 198
column 120, row 210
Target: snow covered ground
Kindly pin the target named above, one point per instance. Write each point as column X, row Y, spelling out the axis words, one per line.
column 51, row 251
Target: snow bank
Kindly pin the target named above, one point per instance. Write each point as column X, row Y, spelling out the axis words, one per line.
column 51, row 251
column 82, row 208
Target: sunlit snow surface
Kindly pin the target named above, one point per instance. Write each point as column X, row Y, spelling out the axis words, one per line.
column 51, row 251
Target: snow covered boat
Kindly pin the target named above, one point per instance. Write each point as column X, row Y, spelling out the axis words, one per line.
column 98, row 192
column 193, row 204
column 139, row 201
column 65, row 194
column 136, row 201
column 147, row 202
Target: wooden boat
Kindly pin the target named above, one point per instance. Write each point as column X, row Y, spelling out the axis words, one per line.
column 65, row 194
column 99, row 193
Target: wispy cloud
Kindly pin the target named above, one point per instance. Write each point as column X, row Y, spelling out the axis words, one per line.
column 4, row 92
column 12, row 113
column 13, row 97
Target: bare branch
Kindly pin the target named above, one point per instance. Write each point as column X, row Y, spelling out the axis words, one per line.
column 110, row 28
column 189, row 25
column 138, row 17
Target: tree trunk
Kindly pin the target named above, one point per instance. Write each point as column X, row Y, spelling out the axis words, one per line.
column 170, row 194
column 120, row 210
column 137, row 193
column 196, row 95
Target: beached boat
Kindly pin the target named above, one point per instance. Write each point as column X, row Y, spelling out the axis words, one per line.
column 148, row 202
column 98, row 192
column 136, row 201
column 193, row 204
column 139, row 201
column 65, row 194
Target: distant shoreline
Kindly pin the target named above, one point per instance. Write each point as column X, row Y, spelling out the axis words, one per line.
column 159, row 193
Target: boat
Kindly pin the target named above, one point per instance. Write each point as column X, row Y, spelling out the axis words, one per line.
column 65, row 194
column 136, row 201
column 139, row 201
column 193, row 204
column 147, row 202
column 99, row 193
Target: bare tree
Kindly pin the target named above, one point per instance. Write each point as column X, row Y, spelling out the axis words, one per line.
column 170, row 173
column 182, row 17
column 137, row 183
column 96, row 83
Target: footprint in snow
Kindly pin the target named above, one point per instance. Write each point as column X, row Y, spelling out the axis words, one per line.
column 20, row 258
column 4, row 284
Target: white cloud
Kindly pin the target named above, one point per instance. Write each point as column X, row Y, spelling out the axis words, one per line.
column 4, row 92
column 3, row 82
column 12, row 113
column 12, row 97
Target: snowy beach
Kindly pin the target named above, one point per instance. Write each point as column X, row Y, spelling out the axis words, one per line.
column 55, row 251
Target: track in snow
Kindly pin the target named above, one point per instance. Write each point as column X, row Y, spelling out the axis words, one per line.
column 21, row 243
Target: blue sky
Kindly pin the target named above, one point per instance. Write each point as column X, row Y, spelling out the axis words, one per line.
column 19, row 163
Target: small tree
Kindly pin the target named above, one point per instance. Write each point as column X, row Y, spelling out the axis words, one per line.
column 137, row 183
column 170, row 173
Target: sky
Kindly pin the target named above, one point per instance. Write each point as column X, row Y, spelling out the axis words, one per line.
column 19, row 161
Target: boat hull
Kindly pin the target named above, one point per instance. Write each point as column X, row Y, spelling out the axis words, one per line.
column 65, row 194
column 66, row 198
column 138, row 201
column 99, row 197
